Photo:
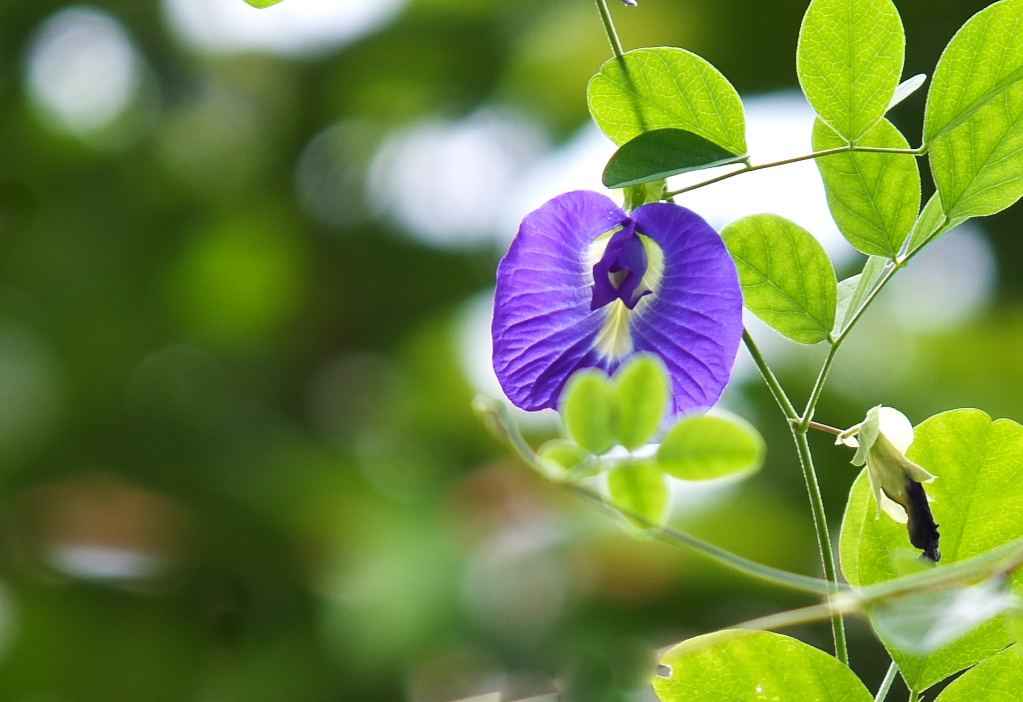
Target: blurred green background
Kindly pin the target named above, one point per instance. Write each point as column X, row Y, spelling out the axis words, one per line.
column 244, row 271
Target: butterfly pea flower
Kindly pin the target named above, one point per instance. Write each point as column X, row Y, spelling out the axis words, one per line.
column 881, row 441
column 586, row 285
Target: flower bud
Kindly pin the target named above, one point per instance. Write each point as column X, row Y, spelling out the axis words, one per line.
column 881, row 441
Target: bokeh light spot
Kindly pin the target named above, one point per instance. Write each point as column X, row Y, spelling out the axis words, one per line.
column 296, row 28
column 82, row 69
column 446, row 183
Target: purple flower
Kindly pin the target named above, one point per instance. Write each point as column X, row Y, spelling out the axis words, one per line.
column 585, row 285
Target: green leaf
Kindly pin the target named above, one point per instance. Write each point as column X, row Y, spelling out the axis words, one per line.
column 907, row 88
column 643, row 390
column 930, row 225
column 666, row 88
column 262, row 3
column 874, row 198
column 925, row 622
column 711, row 446
column 974, row 120
column 640, row 487
column 998, row 679
column 663, row 153
column 979, row 487
column 854, row 291
column 849, row 61
column 787, row 278
column 588, row 410
column 562, row 460
column 755, row 666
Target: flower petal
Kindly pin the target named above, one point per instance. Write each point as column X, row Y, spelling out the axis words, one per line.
column 543, row 327
column 694, row 318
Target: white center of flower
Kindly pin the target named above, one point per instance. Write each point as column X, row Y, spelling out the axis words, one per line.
column 614, row 341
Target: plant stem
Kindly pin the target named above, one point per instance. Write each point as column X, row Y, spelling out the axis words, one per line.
column 769, row 378
column 719, row 555
column 820, row 523
column 609, row 28
column 818, row 388
column 890, row 271
column 914, row 696
column 820, row 520
column 496, row 415
column 797, row 159
column 886, row 684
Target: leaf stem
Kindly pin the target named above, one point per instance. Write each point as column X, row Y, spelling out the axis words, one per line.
column 770, row 379
column 914, row 696
column 609, row 29
column 806, row 157
column 886, row 684
column 825, row 428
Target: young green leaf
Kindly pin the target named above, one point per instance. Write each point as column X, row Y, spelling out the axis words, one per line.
column 262, row 3
column 753, row 666
column 849, row 61
column 930, row 226
column 873, row 197
column 666, row 88
column 974, row 120
column 663, row 153
column 560, row 459
column 907, row 88
column 787, row 278
column 643, row 390
column 640, row 487
column 588, row 410
column 854, row 291
column 711, row 446
column 998, row 679
column 978, row 464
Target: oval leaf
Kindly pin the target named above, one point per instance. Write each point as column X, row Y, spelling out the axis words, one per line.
column 588, row 412
column 640, row 488
column 643, row 388
column 974, row 120
column 663, row 153
column 849, row 61
column 262, row 3
column 787, row 278
column 754, row 666
column 874, row 198
column 666, row 88
column 707, row 447
column 998, row 679
column 979, row 487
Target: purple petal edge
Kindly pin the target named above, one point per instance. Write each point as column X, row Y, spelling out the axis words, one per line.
column 694, row 321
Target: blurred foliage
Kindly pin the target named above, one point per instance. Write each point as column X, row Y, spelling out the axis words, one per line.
column 237, row 459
